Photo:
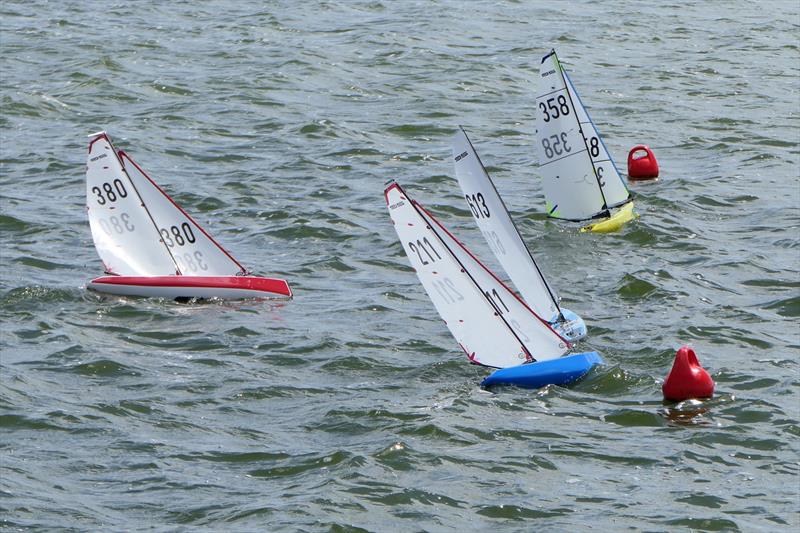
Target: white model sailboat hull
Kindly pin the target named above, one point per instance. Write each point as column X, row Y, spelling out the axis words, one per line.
column 171, row 287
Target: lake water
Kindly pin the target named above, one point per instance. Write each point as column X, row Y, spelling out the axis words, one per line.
column 351, row 408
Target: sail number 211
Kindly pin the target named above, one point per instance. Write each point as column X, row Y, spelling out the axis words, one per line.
column 424, row 245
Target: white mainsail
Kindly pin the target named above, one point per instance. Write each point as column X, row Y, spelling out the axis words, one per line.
column 576, row 168
column 140, row 231
column 194, row 250
column 124, row 234
column 494, row 221
column 469, row 310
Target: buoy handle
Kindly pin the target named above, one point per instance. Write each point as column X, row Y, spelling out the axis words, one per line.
column 640, row 148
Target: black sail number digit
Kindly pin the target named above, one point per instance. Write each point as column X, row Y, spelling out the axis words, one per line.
column 555, row 107
column 100, row 199
column 594, row 146
column 599, row 171
column 544, row 110
column 496, row 301
column 166, row 238
column 477, row 204
column 563, row 105
column 424, row 245
column 414, row 248
column 178, row 235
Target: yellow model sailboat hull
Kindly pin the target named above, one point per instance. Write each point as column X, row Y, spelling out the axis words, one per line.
column 614, row 222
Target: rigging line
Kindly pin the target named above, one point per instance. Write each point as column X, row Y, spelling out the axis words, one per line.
column 551, row 92
column 575, row 113
column 149, row 215
column 513, row 225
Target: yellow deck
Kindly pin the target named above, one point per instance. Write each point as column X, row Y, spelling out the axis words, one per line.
column 614, row 222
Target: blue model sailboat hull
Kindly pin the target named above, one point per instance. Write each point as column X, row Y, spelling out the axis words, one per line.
column 560, row 371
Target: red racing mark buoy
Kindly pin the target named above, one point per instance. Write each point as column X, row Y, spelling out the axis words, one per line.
column 687, row 379
column 642, row 164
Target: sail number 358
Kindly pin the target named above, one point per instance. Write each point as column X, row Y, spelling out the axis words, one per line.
column 551, row 110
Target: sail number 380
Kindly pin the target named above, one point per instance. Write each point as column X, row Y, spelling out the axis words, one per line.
column 178, row 235
column 110, row 192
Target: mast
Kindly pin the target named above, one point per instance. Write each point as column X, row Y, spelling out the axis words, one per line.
column 538, row 270
column 580, row 129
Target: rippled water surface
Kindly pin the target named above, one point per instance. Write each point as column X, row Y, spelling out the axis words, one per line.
column 351, row 408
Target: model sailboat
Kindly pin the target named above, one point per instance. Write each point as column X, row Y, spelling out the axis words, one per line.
column 492, row 325
column 152, row 247
column 581, row 181
column 494, row 221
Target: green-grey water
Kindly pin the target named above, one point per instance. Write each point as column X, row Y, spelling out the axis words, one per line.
column 351, row 408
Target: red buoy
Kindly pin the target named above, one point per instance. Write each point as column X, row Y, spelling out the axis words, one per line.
column 687, row 379
column 642, row 164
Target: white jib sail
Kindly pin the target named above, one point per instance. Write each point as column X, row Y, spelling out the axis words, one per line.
column 124, row 234
column 614, row 189
column 571, row 187
column 541, row 341
column 482, row 332
column 495, row 223
column 194, row 250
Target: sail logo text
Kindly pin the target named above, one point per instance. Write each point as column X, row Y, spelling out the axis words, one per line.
column 461, row 156
column 549, row 72
column 101, row 156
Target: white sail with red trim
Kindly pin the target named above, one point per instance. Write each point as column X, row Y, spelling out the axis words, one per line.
column 123, row 232
column 453, row 287
column 537, row 336
column 194, row 250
